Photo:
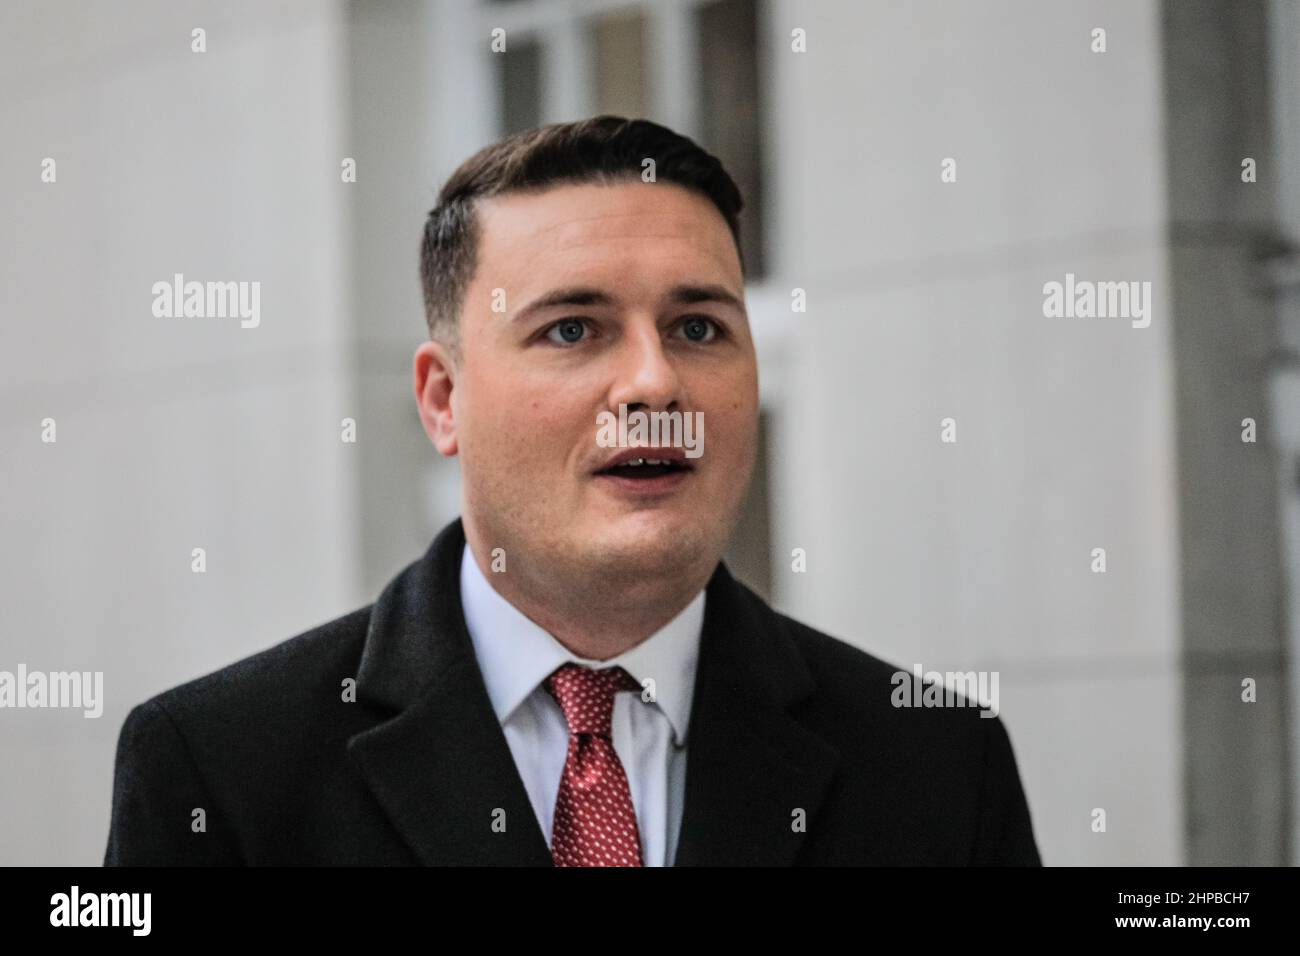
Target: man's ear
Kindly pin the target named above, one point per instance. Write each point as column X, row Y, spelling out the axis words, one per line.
column 435, row 379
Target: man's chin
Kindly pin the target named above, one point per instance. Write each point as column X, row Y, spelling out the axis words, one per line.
column 645, row 549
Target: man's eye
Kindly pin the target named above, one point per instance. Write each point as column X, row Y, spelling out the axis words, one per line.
column 569, row 331
column 700, row 328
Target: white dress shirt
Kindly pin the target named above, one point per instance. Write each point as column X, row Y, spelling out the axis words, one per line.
column 516, row 655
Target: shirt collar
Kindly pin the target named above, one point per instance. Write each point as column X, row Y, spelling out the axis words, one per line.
column 515, row 654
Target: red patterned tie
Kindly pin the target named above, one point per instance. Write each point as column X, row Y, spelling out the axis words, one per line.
column 595, row 822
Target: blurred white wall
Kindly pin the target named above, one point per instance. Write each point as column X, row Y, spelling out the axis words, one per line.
column 172, row 433
column 925, row 302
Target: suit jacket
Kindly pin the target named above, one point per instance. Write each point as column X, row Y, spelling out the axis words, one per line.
column 416, row 769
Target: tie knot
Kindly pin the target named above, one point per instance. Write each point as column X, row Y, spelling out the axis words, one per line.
column 587, row 696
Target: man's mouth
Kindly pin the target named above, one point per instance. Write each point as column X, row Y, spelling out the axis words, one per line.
column 645, row 468
column 646, row 464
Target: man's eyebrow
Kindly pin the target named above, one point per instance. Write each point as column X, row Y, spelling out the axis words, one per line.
column 585, row 295
column 692, row 294
column 575, row 295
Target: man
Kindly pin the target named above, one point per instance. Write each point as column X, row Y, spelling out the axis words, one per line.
column 570, row 675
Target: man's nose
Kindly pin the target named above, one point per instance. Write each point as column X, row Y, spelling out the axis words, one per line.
column 645, row 374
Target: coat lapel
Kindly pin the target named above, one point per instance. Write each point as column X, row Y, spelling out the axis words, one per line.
column 441, row 768
column 750, row 766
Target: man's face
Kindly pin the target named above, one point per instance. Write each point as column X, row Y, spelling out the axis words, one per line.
column 651, row 317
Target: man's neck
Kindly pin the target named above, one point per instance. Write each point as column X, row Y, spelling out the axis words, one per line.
column 600, row 622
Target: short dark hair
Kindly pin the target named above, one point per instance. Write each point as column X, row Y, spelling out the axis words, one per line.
column 602, row 149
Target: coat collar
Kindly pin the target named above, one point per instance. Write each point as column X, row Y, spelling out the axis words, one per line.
column 440, row 766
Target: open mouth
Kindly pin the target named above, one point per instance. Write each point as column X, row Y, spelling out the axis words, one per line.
column 645, row 468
